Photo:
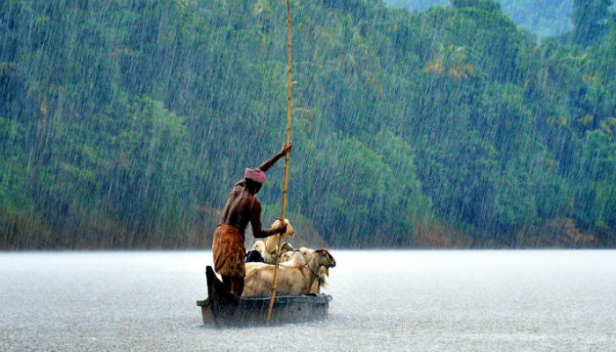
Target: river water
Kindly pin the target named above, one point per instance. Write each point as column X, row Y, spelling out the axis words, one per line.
column 382, row 301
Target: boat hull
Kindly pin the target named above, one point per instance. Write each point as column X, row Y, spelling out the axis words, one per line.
column 224, row 309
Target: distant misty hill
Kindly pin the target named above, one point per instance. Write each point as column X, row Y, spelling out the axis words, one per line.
column 545, row 18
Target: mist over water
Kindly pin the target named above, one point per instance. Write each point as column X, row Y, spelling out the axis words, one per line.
column 382, row 300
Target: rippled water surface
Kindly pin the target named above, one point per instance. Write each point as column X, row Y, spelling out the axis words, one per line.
column 382, row 301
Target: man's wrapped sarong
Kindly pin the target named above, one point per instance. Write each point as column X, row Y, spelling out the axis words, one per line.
column 228, row 250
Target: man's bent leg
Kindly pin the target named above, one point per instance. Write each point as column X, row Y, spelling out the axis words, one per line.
column 237, row 286
column 227, row 281
column 234, row 285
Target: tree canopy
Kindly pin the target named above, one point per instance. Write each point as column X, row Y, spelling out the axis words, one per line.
column 125, row 124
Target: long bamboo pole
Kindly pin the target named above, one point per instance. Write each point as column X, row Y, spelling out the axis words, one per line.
column 286, row 166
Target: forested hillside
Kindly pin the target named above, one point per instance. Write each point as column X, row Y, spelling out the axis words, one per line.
column 124, row 124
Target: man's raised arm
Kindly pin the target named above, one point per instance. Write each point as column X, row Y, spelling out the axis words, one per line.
column 266, row 165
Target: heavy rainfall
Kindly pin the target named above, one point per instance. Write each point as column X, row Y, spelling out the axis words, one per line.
column 426, row 124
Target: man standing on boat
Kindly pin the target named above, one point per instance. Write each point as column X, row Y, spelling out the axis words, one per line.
column 242, row 207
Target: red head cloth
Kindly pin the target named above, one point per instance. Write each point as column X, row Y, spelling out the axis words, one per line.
column 255, row 175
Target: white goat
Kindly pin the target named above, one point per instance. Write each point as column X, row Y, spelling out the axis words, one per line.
column 302, row 252
column 303, row 255
column 297, row 279
column 288, row 258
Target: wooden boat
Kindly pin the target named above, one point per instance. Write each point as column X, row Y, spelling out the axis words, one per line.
column 224, row 309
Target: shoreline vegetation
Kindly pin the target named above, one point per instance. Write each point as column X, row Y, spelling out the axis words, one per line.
column 123, row 125
column 555, row 234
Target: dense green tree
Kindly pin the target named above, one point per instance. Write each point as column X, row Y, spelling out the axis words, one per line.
column 486, row 5
column 594, row 201
column 589, row 19
column 14, row 176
